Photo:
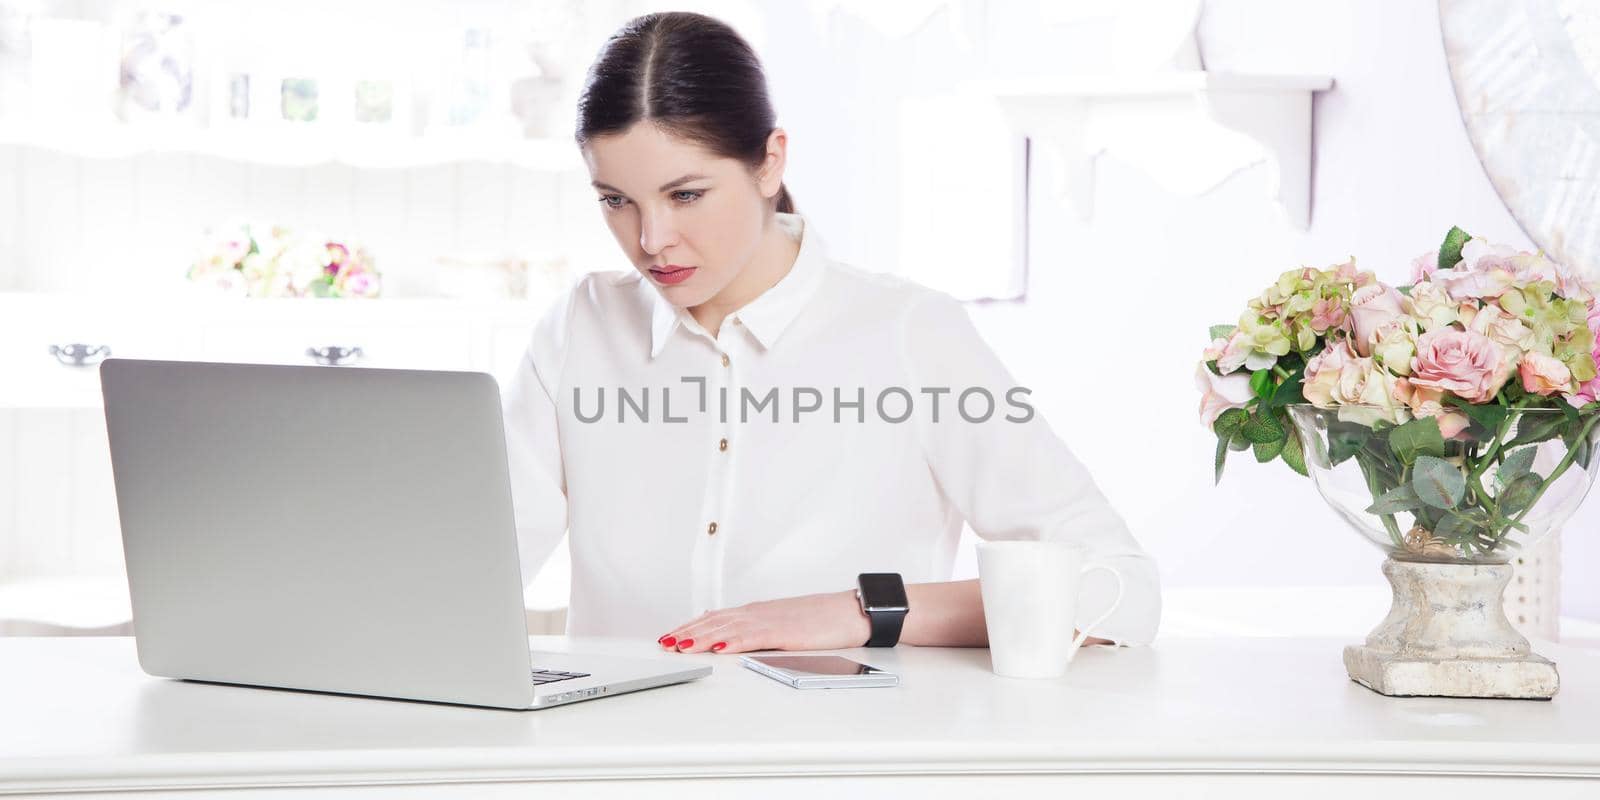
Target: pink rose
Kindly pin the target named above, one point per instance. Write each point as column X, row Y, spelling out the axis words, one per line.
column 1423, row 266
column 1372, row 308
column 1463, row 284
column 1322, row 373
column 1479, row 255
column 1431, row 306
column 1426, row 402
column 1367, row 394
column 1220, row 393
column 1546, row 375
column 1496, row 323
column 1465, row 363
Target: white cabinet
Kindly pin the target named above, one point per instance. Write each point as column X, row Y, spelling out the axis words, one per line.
column 51, row 344
column 60, row 566
column 430, row 344
column 396, row 334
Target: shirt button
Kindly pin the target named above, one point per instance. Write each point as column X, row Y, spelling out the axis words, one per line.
column 724, row 359
column 722, row 445
column 711, row 530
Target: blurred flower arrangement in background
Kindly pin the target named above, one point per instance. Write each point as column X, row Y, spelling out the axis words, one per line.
column 260, row 260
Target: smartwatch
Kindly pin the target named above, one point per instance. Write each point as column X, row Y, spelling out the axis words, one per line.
column 883, row 600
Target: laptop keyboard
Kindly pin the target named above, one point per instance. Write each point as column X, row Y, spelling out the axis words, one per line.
column 543, row 676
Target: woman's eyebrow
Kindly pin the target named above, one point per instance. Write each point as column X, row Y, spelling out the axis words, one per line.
column 664, row 187
column 679, row 182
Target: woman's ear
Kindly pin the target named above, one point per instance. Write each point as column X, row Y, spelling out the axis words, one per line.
column 769, row 178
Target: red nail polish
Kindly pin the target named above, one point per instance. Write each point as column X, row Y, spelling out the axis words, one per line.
column 686, row 643
column 718, row 646
column 668, row 640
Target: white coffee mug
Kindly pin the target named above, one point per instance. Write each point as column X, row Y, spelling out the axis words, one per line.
column 1030, row 603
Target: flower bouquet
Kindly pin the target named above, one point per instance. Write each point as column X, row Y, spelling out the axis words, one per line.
column 1452, row 422
column 256, row 260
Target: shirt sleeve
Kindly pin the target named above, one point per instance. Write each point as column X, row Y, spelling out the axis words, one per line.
column 533, row 442
column 1014, row 479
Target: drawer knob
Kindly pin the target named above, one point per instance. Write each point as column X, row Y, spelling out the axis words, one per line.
column 80, row 355
column 334, row 356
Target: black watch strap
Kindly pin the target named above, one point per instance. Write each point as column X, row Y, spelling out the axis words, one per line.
column 883, row 600
column 885, row 628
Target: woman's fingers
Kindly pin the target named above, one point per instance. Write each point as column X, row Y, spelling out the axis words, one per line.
column 671, row 638
column 715, row 635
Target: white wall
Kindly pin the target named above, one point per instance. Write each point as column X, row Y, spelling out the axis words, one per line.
column 1392, row 171
column 1118, row 306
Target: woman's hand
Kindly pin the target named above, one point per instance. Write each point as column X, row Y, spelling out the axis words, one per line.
column 830, row 621
column 947, row 615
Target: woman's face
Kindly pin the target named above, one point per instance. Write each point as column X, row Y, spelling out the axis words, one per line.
column 689, row 220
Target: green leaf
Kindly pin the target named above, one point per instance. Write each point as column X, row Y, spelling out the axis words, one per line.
column 1450, row 249
column 1266, row 451
column 1454, row 528
column 1344, row 441
column 1438, row 482
column 1261, row 383
column 1487, row 415
column 1229, row 422
column 1573, row 434
column 1519, row 494
column 1515, row 465
column 1291, row 391
column 1400, row 498
column 1222, row 331
column 1427, row 516
column 1544, row 428
column 1417, row 438
column 1294, row 455
column 1262, row 428
column 1222, row 457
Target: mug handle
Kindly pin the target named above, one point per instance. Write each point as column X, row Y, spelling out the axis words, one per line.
column 1084, row 634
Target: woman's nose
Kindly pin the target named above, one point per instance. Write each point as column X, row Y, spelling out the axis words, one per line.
column 656, row 233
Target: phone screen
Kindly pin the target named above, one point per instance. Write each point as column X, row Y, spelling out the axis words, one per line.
column 806, row 666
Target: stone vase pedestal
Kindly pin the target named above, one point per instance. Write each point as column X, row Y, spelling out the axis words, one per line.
column 1447, row 635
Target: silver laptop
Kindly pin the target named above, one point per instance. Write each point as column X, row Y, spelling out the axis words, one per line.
column 333, row 529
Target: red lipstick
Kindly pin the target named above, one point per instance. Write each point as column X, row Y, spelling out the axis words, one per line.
column 671, row 273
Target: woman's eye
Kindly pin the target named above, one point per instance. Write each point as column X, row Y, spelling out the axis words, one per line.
column 686, row 196
column 608, row 200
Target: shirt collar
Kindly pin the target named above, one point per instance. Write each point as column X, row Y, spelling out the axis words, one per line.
column 767, row 316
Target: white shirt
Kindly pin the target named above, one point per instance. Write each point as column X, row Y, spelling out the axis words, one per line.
column 687, row 511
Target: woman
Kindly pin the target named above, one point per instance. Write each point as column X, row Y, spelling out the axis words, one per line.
column 737, row 427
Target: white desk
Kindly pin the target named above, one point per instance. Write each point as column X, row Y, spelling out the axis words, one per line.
column 1184, row 718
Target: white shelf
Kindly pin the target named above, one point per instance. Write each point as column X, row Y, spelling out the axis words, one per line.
column 201, row 302
column 1189, row 130
column 1154, row 84
column 297, row 146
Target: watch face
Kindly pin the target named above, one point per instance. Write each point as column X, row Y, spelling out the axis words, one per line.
column 882, row 590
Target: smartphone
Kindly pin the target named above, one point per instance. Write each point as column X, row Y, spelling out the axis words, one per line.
column 819, row 672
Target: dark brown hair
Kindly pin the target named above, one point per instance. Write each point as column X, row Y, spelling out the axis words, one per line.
column 689, row 74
